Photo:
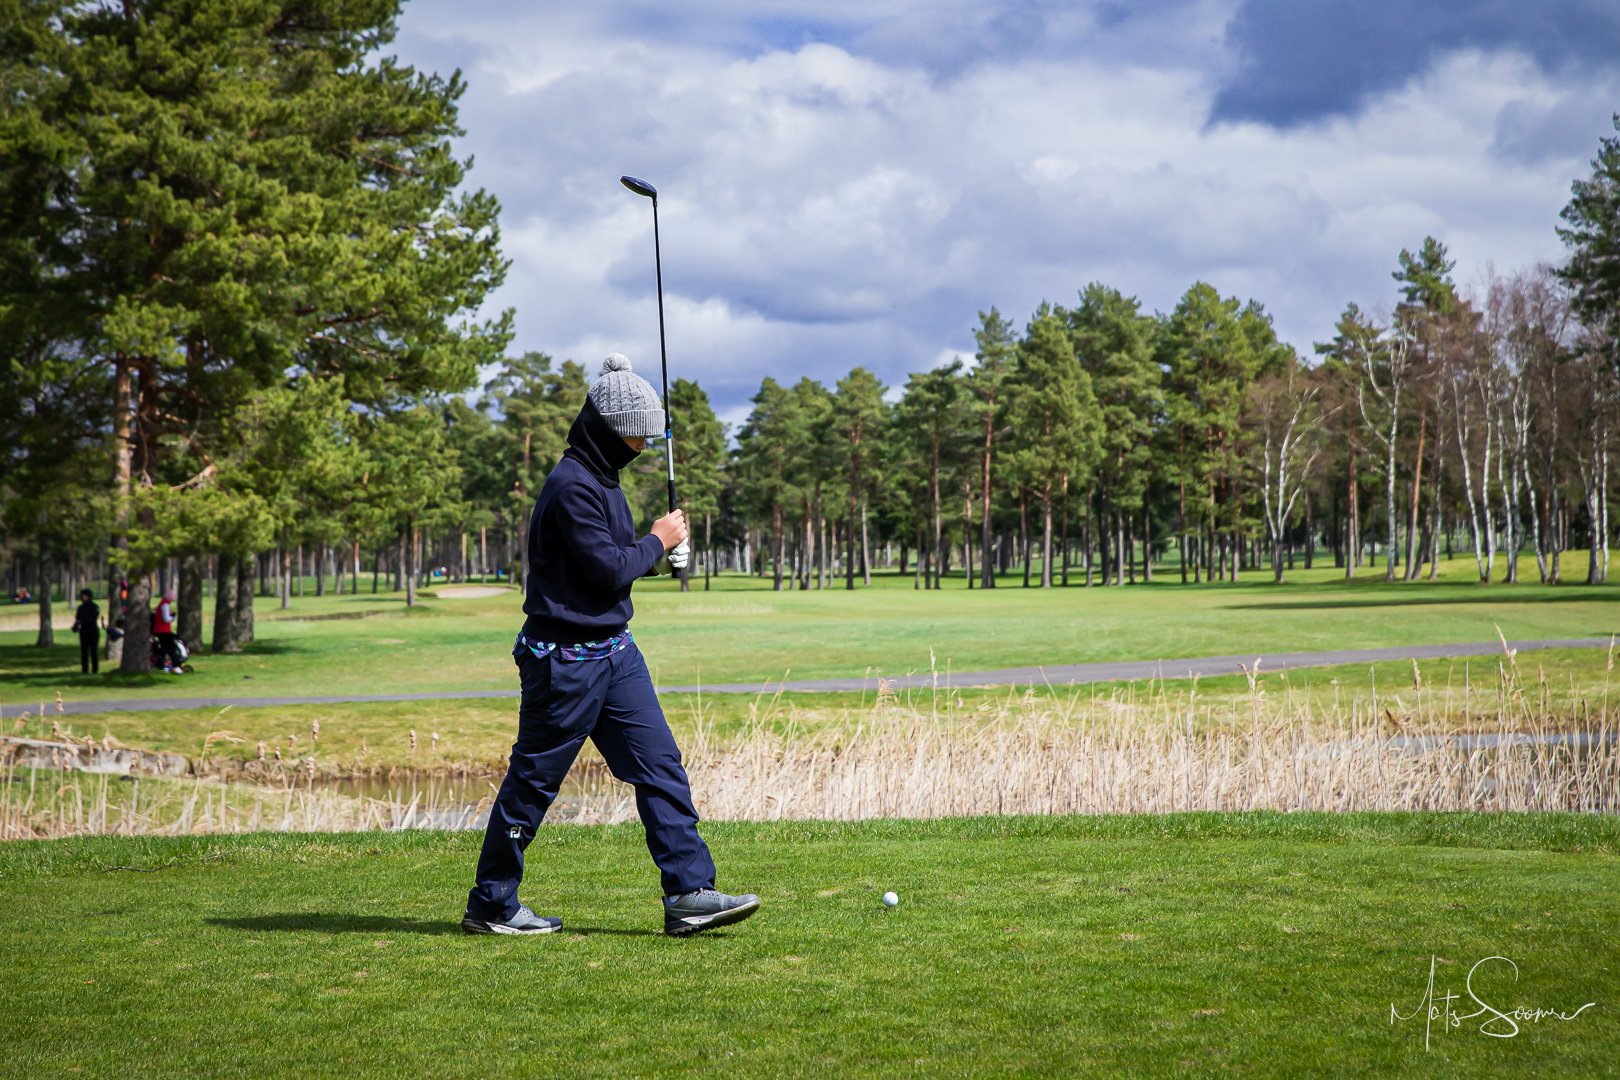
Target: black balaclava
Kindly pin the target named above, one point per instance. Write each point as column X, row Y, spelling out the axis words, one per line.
column 598, row 447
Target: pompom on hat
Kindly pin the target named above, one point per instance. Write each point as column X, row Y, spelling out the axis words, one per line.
column 626, row 401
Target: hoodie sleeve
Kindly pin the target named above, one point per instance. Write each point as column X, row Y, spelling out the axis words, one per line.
column 580, row 519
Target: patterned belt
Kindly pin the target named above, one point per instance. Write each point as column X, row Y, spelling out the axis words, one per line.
column 585, row 650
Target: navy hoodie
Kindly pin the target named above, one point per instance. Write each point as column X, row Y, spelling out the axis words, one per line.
column 583, row 553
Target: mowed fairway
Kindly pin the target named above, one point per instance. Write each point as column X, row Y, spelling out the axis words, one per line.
column 1259, row 944
column 742, row 632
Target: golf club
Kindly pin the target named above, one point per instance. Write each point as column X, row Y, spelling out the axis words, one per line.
column 641, row 187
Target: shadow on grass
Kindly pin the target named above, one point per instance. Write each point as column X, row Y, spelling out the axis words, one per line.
column 1409, row 599
column 327, row 922
column 57, row 668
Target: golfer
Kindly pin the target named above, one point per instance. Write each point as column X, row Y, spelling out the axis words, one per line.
column 583, row 677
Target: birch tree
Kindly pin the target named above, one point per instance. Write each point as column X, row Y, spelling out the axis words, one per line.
column 1384, row 364
column 1287, row 410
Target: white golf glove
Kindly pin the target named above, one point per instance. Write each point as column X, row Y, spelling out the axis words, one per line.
column 680, row 555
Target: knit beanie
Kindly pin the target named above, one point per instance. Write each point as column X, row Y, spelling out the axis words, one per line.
column 626, row 401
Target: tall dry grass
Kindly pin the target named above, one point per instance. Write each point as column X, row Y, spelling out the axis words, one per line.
column 1126, row 750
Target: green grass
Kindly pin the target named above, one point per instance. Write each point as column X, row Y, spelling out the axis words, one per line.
column 1260, row 944
column 743, row 632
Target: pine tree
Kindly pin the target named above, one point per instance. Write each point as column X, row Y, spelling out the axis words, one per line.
column 535, row 406
column 860, row 415
column 241, row 190
column 411, row 477
column 765, row 448
column 997, row 343
column 1591, row 231
column 1114, row 344
column 1207, row 357
column 700, row 450
column 1055, row 419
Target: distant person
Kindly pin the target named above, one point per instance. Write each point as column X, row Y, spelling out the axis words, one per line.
column 22, row 596
column 163, row 633
column 583, row 677
column 87, row 624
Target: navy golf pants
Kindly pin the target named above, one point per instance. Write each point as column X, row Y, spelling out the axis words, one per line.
column 612, row 703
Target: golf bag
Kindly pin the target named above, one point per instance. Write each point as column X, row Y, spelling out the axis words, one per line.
column 181, row 653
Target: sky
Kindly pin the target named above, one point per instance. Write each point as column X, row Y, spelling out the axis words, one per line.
column 848, row 183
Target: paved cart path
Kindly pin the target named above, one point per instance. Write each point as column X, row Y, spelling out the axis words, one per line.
column 1050, row 674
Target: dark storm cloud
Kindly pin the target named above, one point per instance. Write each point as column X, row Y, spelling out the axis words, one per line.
column 1299, row 61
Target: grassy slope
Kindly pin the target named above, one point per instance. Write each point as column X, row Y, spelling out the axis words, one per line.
column 743, row 632
column 1267, row 944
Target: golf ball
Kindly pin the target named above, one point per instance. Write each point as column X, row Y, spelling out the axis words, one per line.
column 890, row 899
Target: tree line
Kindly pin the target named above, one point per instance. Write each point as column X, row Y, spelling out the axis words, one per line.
column 1100, row 440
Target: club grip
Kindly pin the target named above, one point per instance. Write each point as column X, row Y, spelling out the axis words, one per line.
column 673, row 572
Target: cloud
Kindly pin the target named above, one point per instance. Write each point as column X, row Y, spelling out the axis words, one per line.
column 1300, row 62
column 835, row 194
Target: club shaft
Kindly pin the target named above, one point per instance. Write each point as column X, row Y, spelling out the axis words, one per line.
column 663, row 358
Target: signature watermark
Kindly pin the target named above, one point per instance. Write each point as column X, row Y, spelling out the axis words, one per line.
column 1442, row 1010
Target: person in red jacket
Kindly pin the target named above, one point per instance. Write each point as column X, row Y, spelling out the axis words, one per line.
column 163, row 631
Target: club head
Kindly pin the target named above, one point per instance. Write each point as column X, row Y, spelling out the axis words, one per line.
column 640, row 187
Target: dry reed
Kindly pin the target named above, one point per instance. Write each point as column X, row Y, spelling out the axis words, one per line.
column 1136, row 749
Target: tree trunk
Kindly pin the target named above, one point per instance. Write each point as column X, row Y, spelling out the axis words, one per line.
column 1120, row 558
column 409, row 569
column 46, row 637
column 190, row 616
column 807, row 549
column 1046, row 535
column 935, row 540
column 1181, row 529
column 1023, row 532
column 247, row 571
column 1389, row 499
column 1128, row 527
column 1602, row 497
column 118, row 555
column 988, row 571
column 137, row 659
column 1414, row 560
column 919, row 571
column 227, row 571
column 967, row 530
column 849, row 542
column 708, row 551
column 1310, row 533
column 1352, row 520
column 778, row 527
column 1063, row 535
column 284, row 557
column 866, row 548
column 1147, row 544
